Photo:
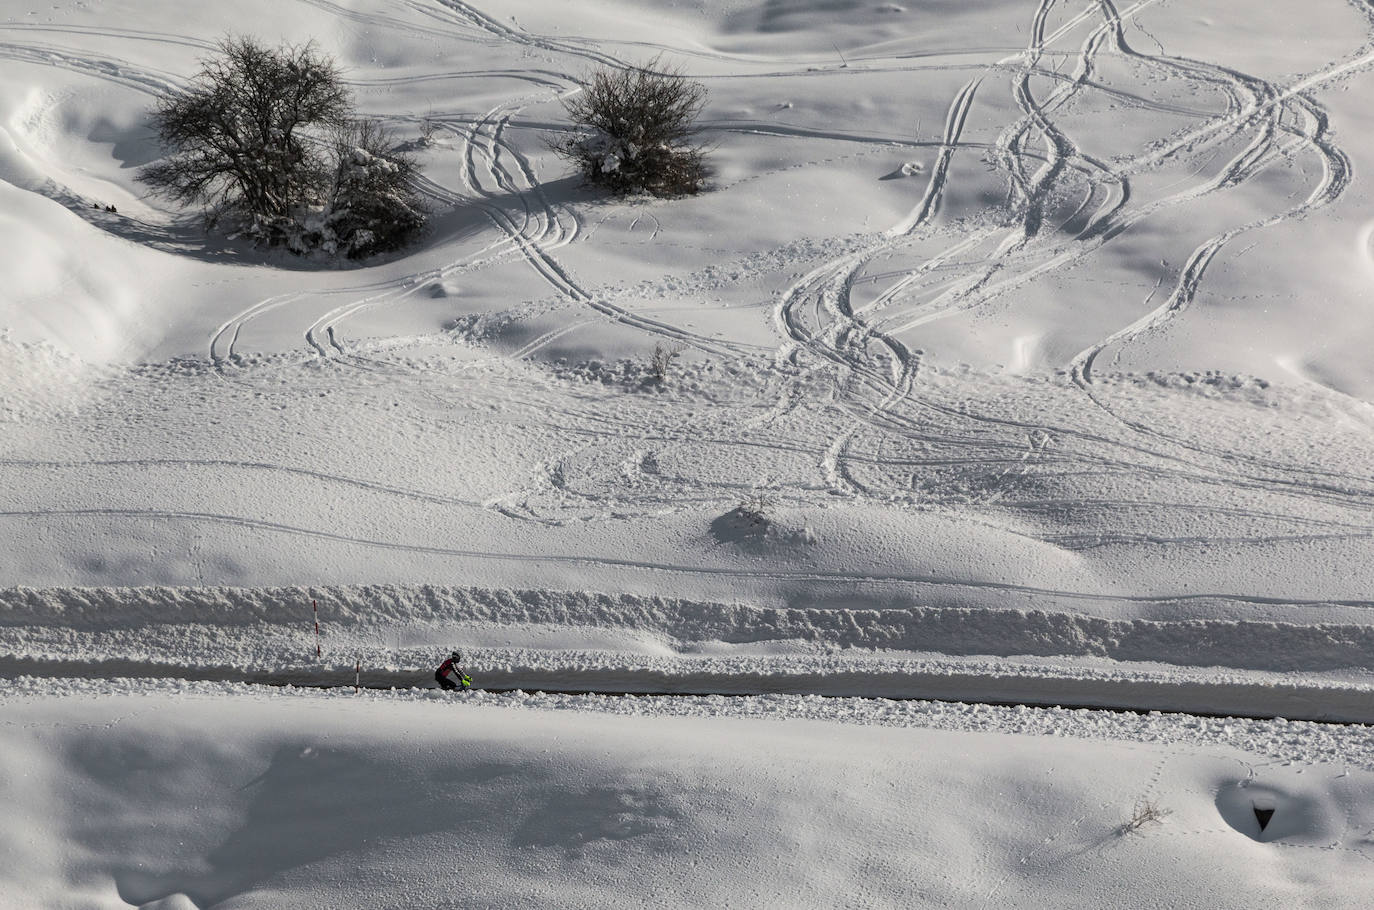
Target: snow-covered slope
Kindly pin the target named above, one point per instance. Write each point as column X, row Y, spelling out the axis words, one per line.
column 1061, row 298
column 1032, row 333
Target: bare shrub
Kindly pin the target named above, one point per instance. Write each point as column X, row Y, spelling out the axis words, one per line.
column 633, row 131
column 241, row 135
column 1146, row 812
column 662, row 359
column 372, row 207
column 429, row 129
column 756, row 508
column 267, row 137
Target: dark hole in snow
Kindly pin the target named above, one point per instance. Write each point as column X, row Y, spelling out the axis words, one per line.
column 1291, row 811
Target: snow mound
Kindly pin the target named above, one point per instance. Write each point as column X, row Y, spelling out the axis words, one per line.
column 171, row 902
column 39, row 381
column 380, row 612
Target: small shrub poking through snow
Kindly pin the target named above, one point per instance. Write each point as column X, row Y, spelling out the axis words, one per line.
column 661, row 360
column 756, row 509
column 755, row 524
column 1146, row 812
column 633, row 131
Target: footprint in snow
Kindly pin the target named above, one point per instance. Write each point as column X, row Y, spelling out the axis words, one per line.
column 907, row 169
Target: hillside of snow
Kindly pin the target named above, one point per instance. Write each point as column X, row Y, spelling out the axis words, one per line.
column 1032, row 337
column 1066, row 297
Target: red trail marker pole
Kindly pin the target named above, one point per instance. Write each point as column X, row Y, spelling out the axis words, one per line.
column 357, row 676
column 316, row 607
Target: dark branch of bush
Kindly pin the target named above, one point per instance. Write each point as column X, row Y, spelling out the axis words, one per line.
column 240, row 135
column 1146, row 812
column 267, row 137
column 634, row 131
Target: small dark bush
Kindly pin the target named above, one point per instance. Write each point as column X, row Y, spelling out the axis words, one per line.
column 371, row 206
column 661, row 360
column 634, row 131
column 1146, row 812
column 267, row 138
column 756, row 508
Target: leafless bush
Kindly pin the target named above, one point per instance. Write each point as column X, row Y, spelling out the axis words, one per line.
column 241, row 134
column 429, row 128
column 634, row 129
column 267, row 137
column 756, row 508
column 371, row 206
column 662, row 359
column 1146, row 812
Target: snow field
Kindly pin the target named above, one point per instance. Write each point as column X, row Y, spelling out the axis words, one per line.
column 1047, row 462
column 208, row 798
column 1040, row 328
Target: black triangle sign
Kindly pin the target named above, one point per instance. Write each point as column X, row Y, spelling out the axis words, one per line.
column 1262, row 816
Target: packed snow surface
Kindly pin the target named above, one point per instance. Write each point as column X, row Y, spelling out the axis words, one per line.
column 1021, row 354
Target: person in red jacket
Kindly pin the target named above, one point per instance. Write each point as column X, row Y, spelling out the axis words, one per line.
column 450, row 675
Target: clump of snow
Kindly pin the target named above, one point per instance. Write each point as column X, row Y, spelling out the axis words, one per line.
column 476, row 328
column 171, row 902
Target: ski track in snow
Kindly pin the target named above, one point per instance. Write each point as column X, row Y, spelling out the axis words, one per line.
column 826, row 290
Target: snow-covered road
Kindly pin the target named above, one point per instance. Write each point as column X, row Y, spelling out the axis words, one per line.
column 569, row 641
